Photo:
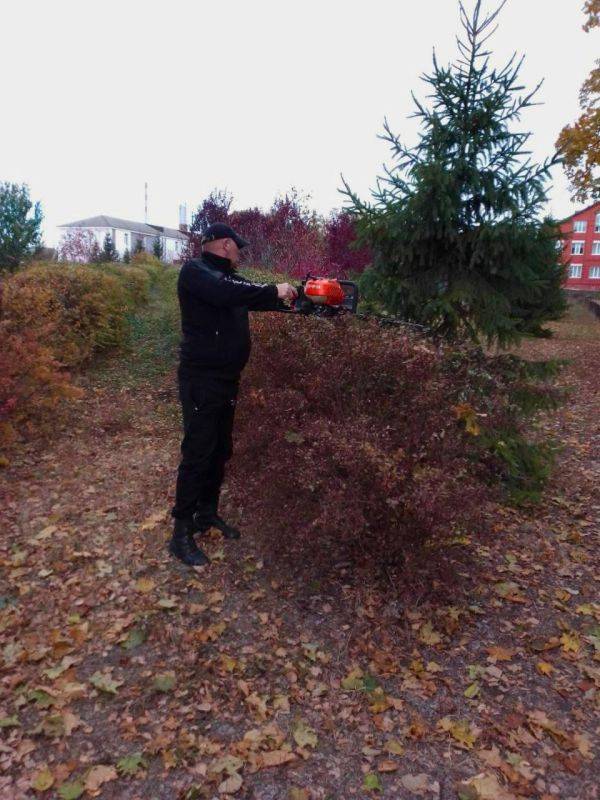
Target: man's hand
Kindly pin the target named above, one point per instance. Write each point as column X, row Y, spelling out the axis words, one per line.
column 285, row 291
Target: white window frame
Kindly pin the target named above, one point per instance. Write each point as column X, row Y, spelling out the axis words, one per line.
column 574, row 249
column 575, row 271
column 595, row 273
column 126, row 237
column 597, row 226
column 580, row 226
column 596, row 248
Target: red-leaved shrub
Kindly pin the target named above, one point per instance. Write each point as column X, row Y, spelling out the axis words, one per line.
column 346, row 429
column 373, row 437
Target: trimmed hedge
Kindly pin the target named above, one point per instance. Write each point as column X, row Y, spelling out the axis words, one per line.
column 54, row 318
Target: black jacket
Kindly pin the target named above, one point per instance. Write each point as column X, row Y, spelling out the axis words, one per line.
column 214, row 300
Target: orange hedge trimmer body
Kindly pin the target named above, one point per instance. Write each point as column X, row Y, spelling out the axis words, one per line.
column 324, row 297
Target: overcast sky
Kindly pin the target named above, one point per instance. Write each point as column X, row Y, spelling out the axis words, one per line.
column 255, row 96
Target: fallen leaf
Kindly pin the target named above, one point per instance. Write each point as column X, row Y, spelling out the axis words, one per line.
column 354, row 681
column 105, row 683
column 393, row 746
column 98, row 775
column 544, row 668
column 427, row 635
column 164, row 682
column 145, row 585
column 274, row 758
column 372, row 781
column 167, row 602
column 387, row 765
column 43, row 780
column 304, row 735
column 483, row 787
column 460, row 730
column 131, row 764
column 509, row 590
column 71, row 791
column 472, row 690
column 417, row 784
column 135, row 638
column 299, row 794
column 231, row 784
column 570, row 642
column 498, row 653
column 152, row 521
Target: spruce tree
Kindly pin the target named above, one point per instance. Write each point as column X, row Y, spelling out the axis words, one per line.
column 455, row 224
column 20, row 225
column 157, row 248
column 109, row 252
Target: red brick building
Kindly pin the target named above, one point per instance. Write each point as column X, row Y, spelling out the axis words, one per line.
column 581, row 251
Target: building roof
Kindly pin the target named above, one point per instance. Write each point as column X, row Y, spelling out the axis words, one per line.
column 103, row 221
column 582, row 211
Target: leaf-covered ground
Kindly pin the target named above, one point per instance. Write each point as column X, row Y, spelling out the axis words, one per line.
column 125, row 674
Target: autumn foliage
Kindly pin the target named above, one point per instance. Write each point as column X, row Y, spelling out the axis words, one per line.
column 287, row 238
column 53, row 319
column 354, row 429
column 579, row 143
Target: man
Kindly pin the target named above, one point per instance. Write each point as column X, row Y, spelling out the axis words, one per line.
column 214, row 300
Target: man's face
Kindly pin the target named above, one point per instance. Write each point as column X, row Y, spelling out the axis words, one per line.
column 233, row 252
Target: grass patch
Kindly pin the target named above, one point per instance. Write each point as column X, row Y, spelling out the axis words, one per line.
column 152, row 349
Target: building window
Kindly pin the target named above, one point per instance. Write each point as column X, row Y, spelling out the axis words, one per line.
column 126, row 235
column 580, row 226
column 597, row 228
column 575, row 271
column 577, row 248
column 595, row 273
column 596, row 249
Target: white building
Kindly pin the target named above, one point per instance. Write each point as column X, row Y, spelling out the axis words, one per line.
column 126, row 235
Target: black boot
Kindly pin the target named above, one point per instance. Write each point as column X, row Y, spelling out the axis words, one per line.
column 228, row 531
column 207, row 517
column 183, row 546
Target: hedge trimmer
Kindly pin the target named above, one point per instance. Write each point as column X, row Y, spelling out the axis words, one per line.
column 325, row 297
column 328, row 297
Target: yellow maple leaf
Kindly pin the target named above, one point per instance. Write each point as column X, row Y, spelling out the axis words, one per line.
column 570, row 642
column 497, row 653
column 544, row 668
column 460, row 730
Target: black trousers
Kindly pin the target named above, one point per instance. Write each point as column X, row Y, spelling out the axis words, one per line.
column 208, row 409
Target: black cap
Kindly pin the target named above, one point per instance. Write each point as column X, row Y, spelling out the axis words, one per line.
column 219, row 230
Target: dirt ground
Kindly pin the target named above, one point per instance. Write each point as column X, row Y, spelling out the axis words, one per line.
column 126, row 675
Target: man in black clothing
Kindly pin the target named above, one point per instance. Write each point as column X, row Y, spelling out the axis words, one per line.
column 214, row 300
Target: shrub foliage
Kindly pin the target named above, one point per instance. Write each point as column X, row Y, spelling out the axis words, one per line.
column 357, row 429
column 53, row 319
